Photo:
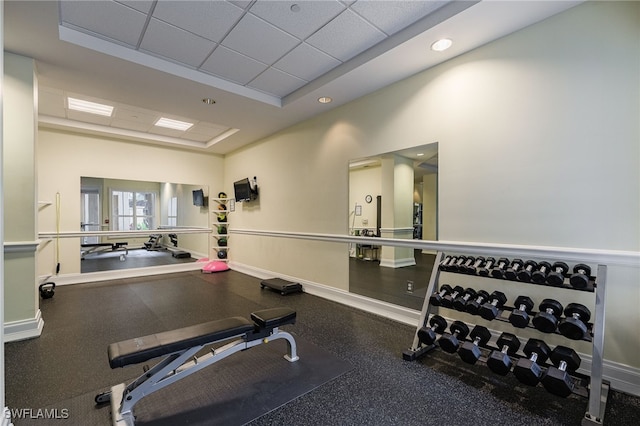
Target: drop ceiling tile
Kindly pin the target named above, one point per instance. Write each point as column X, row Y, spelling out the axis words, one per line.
column 276, row 82
column 86, row 117
column 106, row 19
column 306, row 62
column 208, row 19
column 241, row 3
column 156, row 130
column 392, row 16
column 143, row 6
column 257, row 39
column 210, row 129
column 134, row 114
column 311, row 15
column 346, row 36
column 233, row 66
column 204, row 132
column 175, row 44
column 137, row 126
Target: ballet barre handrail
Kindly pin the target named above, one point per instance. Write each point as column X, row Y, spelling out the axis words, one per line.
column 142, row 233
column 611, row 257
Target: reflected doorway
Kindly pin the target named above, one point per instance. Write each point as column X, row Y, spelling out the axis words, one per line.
column 405, row 185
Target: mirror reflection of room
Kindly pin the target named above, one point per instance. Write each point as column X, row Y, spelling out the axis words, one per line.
column 128, row 205
column 393, row 195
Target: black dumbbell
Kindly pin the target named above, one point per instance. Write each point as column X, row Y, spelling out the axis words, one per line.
column 447, row 300
column 574, row 326
column 520, row 316
column 500, row 361
column 460, row 302
column 470, row 351
column 471, row 269
column 474, row 305
column 484, row 271
column 427, row 335
column 466, row 264
column 498, row 271
column 490, row 309
column 580, row 277
column 512, row 272
column 539, row 276
column 450, row 342
column 547, row 319
column 557, row 379
column 443, row 265
column 556, row 276
column 436, row 298
column 455, row 266
column 526, row 272
column 528, row 370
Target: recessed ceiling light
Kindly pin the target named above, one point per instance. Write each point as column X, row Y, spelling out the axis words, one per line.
column 419, row 154
column 209, row 101
column 173, row 124
column 325, row 100
column 90, row 107
column 295, row 7
column 442, row 44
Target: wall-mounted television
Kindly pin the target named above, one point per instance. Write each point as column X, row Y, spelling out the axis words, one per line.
column 198, row 198
column 244, row 190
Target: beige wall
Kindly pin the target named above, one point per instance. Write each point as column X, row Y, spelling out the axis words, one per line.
column 538, row 144
column 64, row 157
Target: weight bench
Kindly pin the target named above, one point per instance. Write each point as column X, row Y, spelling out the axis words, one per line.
column 99, row 247
column 180, row 348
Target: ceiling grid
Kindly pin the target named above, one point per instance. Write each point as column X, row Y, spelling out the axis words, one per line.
column 264, row 62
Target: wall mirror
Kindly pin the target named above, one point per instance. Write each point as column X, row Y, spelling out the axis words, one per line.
column 393, row 195
column 127, row 205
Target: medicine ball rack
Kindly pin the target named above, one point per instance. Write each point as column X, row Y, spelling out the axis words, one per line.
column 591, row 386
column 221, row 226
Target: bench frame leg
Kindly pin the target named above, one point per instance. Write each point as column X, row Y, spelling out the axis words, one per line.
column 182, row 364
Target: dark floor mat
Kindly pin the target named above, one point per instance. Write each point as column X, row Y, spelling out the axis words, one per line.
column 233, row 391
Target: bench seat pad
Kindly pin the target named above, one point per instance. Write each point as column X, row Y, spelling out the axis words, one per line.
column 140, row 349
column 274, row 317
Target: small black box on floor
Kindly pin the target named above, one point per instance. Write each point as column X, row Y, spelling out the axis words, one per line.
column 283, row 286
column 181, row 254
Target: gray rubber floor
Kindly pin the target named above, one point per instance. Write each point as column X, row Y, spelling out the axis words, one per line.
column 68, row 362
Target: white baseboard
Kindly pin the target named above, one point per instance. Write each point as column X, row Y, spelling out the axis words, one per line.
column 384, row 309
column 397, row 263
column 6, row 417
column 66, row 279
column 23, row 329
column 622, row 377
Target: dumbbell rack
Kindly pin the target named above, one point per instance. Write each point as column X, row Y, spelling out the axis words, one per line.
column 591, row 386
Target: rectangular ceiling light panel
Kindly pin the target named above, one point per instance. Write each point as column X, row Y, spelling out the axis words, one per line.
column 173, row 124
column 90, row 107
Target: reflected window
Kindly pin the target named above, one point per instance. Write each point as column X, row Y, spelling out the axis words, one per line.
column 90, row 213
column 172, row 213
column 133, row 211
